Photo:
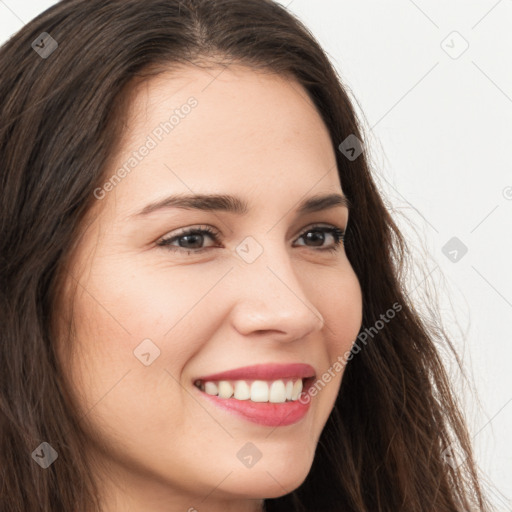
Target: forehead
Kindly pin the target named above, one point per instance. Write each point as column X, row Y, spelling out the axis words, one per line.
column 246, row 131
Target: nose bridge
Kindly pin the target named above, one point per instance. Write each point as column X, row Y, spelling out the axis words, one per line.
column 270, row 295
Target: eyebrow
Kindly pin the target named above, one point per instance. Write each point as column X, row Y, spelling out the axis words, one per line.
column 233, row 204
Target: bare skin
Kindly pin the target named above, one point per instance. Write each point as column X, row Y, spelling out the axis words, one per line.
column 157, row 444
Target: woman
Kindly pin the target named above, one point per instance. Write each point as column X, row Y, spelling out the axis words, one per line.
column 202, row 304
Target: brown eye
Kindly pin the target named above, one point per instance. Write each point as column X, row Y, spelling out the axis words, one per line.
column 191, row 239
column 317, row 236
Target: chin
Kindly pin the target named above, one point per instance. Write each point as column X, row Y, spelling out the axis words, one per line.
column 271, row 480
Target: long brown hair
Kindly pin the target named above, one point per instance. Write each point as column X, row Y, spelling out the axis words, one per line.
column 388, row 444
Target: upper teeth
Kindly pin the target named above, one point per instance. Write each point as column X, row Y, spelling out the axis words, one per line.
column 277, row 391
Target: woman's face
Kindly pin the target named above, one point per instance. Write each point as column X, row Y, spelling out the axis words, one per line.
column 268, row 287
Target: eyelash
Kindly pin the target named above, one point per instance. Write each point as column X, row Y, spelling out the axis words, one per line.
column 337, row 233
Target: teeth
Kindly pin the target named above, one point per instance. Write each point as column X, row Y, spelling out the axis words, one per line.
column 242, row 390
column 225, row 389
column 277, row 391
column 297, row 388
column 211, row 388
column 289, row 389
column 259, row 391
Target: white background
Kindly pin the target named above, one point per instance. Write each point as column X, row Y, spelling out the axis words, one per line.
column 438, row 124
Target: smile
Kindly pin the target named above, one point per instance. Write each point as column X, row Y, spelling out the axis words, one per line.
column 277, row 391
column 265, row 394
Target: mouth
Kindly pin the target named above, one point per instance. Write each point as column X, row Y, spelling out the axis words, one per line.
column 268, row 395
column 259, row 391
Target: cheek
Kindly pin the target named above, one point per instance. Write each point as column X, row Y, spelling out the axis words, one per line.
column 153, row 300
column 109, row 379
column 342, row 308
column 339, row 300
column 121, row 314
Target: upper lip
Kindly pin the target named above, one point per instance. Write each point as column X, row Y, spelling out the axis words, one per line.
column 264, row 372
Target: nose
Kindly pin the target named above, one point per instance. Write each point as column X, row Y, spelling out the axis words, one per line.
column 271, row 302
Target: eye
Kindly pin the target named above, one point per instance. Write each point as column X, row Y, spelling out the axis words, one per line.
column 191, row 240
column 336, row 233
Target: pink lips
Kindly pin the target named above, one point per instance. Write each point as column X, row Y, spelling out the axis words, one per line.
column 264, row 372
column 264, row 413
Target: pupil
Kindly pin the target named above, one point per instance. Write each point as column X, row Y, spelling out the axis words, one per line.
column 192, row 236
column 319, row 237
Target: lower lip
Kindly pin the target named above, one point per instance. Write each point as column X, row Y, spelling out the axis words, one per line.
column 262, row 413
